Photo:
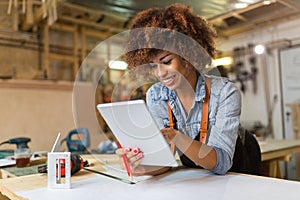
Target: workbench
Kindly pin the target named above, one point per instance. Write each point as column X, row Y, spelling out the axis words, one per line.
column 179, row 183
column 275, row 150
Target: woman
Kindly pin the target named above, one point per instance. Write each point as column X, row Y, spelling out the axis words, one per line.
column 177, row 64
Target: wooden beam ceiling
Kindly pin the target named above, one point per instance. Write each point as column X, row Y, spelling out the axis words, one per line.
column 256, row 15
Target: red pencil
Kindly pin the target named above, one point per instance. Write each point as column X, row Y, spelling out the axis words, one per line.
column 126, row 163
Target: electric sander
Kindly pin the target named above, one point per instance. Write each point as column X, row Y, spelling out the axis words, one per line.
column 21, row 142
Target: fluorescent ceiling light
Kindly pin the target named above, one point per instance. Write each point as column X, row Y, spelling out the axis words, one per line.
column 248, row 1
column 222, row 61
column 267, row 2
column 116, row 64
column 240, row 5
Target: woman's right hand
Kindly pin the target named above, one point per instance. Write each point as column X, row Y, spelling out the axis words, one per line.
column 134, row 157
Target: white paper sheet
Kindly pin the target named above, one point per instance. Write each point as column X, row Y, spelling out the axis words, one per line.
column 7, row 162
column 115, row 170
column 180, row 184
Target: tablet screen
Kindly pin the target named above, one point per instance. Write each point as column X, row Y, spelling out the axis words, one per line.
column 133, row 126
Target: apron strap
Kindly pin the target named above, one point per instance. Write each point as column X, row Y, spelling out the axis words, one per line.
column 204, row 119
column 171, row 124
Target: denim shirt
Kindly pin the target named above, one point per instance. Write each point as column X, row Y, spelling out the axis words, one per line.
column 224, row 115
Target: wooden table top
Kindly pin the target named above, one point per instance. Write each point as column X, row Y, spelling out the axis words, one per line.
column 275, row 148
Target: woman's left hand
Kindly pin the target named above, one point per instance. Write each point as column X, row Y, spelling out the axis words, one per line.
column 170, row 135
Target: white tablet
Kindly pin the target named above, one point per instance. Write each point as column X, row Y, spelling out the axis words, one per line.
column 133, row 126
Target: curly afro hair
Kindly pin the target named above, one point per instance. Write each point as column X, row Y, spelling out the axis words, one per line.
column 169, row 23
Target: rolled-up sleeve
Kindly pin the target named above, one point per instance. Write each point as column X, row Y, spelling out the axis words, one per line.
column 223, row 133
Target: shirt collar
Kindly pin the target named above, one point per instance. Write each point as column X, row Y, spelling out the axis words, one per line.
column 200, row 87
column 167, row 94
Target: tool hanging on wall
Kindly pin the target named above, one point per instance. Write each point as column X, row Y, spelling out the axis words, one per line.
column 254, row 69
column 242, row 74
column 238, row 67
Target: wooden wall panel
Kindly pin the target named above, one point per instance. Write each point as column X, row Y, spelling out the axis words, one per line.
column 25, row 62
column 41, row 109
